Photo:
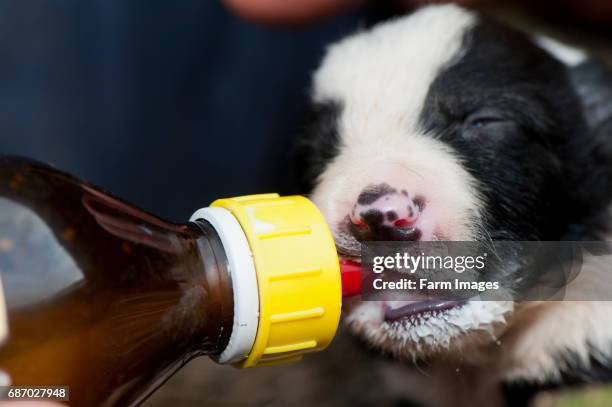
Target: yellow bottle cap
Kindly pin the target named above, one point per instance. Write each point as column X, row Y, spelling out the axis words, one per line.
column 298, row 276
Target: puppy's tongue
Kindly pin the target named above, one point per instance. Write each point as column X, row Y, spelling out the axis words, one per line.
column 395, row 310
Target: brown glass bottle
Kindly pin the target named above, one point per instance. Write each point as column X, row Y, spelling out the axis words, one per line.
column 101, row 296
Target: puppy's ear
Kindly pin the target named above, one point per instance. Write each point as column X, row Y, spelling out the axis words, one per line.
column 592, row 81
column 590, row 77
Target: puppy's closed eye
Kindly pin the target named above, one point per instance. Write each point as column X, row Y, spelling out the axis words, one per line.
column 486, row 124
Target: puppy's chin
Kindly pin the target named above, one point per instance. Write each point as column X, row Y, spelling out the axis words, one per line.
column 455, row 333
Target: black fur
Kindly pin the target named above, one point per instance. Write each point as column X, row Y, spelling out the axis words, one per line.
column 318, row 144
column 519, row 394
column 510, row 110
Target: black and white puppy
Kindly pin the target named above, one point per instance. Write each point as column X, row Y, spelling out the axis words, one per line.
column 444, row 125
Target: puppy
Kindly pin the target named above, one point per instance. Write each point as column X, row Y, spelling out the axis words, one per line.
column 442, row 125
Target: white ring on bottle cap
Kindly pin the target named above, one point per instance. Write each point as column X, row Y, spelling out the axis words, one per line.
column 244, row 282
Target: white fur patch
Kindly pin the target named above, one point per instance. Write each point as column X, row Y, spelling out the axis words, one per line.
column 382, row 76
column 543, row 333
column 569, row 55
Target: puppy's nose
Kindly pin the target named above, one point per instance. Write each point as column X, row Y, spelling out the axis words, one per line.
column 385, row 213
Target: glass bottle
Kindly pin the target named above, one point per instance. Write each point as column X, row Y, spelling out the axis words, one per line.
column 101, row 296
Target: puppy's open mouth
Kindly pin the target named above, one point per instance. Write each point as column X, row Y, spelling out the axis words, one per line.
column 414, row 310
column 418, row 309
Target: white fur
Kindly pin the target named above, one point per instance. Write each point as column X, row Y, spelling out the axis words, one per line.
column 539, row 340
column 570, row 56
column 544, row 332
column 382, row 76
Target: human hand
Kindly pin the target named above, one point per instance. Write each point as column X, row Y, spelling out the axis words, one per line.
column 305, row 11
column 295, row 12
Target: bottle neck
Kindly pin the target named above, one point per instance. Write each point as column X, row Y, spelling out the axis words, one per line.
column 229, row 240
column 216, row 314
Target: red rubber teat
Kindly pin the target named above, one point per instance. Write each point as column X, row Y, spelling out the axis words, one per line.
column 350, row 273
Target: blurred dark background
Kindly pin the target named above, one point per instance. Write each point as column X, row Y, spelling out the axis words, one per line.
column 166, row 104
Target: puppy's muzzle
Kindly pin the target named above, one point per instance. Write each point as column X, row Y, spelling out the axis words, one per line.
column 383, row 213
